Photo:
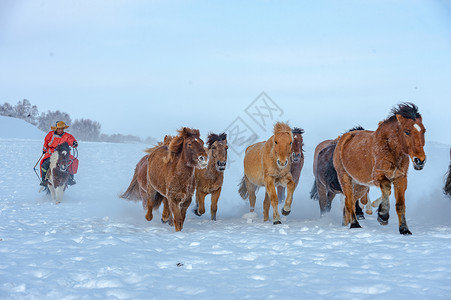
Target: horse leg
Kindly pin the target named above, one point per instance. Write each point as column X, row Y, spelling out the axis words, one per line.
column 358, row 210
column 266, row 205
column 365, row 200
column 184, row 207
column 322, row 198
column 383, row 213
column 214, row 203
column 251, row 192
column 59, row 193
column 347, row 187
column 166, row 215
column 290, row 190
column 271, row 191
column 174, row 205
column 400, row 186
column 280, row 193
column 200, row 202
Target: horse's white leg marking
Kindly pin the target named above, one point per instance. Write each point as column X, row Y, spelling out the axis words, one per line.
column 376, row 202
column 59, row 191
column 369, row 208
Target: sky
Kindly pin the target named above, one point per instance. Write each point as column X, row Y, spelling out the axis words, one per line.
column 147, row 67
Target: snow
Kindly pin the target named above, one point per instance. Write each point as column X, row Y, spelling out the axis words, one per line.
column 96, row 246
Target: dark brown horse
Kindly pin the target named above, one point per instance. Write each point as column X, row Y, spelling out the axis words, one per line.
column 297, row 160
column 447, row 187
column 210, row 179
column 381, row 158
column 326, row 184
column 268, row 164
column 58, row 172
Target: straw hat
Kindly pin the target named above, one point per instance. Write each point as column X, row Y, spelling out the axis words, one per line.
column 59, row 124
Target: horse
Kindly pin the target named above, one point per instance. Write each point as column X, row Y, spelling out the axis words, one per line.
column 170, row 175
column 58, row 172
column 381, row 158
column 326, row 184
column 210, row 179
column 268, row 164
column 447, row 187
column 297, row 160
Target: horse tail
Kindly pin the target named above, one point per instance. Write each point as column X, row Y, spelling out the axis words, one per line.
column 331, row 174
column 132, row 192
column 243, row 189
column 314, row 192
column 447, row 187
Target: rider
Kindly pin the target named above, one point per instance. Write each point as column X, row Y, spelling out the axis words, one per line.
column 52, row 139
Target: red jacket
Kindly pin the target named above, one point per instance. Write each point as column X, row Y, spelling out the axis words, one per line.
column 52, row 140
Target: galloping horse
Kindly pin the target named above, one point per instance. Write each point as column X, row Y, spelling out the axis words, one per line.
column 381, row 158
column 297, row 160
column 170, row 174
column 268, row 164
column 210, row 179
column 326, row 184
column 58, row 172
column 447, row 187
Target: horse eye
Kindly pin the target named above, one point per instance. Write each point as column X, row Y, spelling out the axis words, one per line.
column 407, row 132
column 213, row 147
column 275, row 142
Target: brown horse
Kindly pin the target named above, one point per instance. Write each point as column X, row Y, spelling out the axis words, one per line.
column 381, row 158
column 297, row 160
column 326, row 184
column 209, row 180
column 268, row 164
column 447, row 187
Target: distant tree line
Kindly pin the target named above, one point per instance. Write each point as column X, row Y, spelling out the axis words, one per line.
column 82, row 129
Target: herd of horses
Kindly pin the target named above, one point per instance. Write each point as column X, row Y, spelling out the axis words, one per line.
column 350, row 164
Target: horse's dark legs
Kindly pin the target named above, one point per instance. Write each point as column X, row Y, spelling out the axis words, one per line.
column 400, row 186
column 322, row 198
column 358, row 211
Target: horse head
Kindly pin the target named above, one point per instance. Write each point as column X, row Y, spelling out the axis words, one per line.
column 298, row 143
column 217, row 146
column 189, row 143
column 63, row 151
column 411, row 131
column 282, row 141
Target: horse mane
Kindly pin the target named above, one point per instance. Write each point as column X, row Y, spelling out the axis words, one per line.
column 213, row 137
column 281, row 127
column 358, row 127
column 407, row 110
column 297, row 130
column 63, row 147
column 175, row 145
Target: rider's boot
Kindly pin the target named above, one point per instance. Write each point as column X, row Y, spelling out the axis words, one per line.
column 71, row 180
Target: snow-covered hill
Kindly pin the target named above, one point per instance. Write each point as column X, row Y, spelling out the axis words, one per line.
column 96, row 246
column 19, row 129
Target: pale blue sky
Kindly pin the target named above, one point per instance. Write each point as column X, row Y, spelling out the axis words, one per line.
column 149, row 67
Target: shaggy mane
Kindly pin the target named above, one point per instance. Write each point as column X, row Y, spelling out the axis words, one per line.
column 358, row 127
column 176, row 143
column 297, row 130
column 281, row 127
column 406, row 110
column 213, row 137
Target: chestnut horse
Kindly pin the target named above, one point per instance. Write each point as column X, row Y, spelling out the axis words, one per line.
column 268, row 164
column 326, row 184
column 170, row 174
column 209, row 180
column 381, row 158
column 297, row 160
column 58, row 172
column 447, row 187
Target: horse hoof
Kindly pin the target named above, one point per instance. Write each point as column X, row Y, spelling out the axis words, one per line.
column 285, row 213
column 163, row 221
column 404, row 231
column 369, row 212
column 360, row 217
column 196, row 212
column 277, row 222
column 382, row 221
column 355, row 225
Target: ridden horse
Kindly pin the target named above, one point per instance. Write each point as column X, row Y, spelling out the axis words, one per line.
column 297, row 160
column 447, row 187
column 58, row 172
column 170, row 175
column 210, row 179
column 326, row 184
column 268, row 164
column 381, row 158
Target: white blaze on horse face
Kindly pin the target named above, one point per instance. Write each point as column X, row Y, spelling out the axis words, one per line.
column 64, row 153
column 417, row 127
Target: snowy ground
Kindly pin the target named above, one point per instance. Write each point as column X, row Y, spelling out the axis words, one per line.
column 96, row 246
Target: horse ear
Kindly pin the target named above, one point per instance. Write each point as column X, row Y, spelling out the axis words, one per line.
column 399, row 118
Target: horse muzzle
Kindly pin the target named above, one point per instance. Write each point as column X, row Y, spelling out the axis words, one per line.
column 418, row 164
column 282, row 165
column 296, row 157
column 221, row 166
column 202, row 162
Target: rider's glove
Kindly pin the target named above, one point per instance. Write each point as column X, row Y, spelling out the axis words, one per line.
column 44, row 152
column 75, row 144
